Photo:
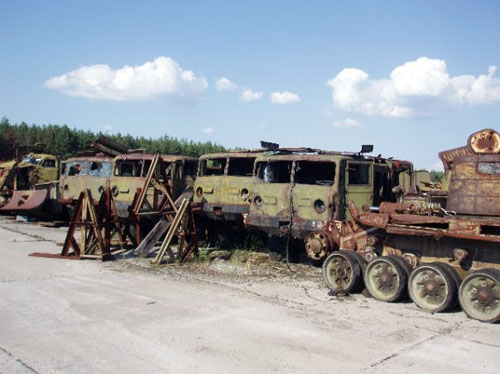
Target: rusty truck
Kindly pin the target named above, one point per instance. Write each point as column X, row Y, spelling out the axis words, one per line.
column 298, row 193
column 437, row 255
column 130, row 171
column 32, row 183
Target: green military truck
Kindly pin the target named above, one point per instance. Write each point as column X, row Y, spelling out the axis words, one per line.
column 298, row 193
column 223, row 184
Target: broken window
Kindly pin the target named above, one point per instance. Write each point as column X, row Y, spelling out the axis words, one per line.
column 491, row 168
column 146, row 164
column 49, row 163
column 359, row 173
column 190, row 168
column 128, row 168
column 275, row 171
column 100, row 169
column 241, row 166
column 214, row 166
column 76, row 168
column 32, row 160
column 312, row 172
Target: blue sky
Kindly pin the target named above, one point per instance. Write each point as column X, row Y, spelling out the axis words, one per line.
column 412, row 78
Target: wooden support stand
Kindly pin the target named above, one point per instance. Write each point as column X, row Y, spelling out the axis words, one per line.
column 98, row 227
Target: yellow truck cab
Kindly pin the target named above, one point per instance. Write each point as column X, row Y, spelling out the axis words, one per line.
column 130, row 171
column 223, row 183
column 36, row 168
column 84, row 172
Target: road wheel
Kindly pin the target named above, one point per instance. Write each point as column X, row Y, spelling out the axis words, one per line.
column 342, row 271
column 433, row 287
column 479, row 295
column 386, row 277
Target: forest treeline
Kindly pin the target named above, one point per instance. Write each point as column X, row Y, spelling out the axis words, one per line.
column 63, row 141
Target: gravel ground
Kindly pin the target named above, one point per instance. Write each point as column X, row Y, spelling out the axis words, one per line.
column 61, row 316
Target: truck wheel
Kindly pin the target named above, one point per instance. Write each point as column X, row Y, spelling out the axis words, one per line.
column 433, row 287
column 386, row 277
column 342, row 271
column 479, row 295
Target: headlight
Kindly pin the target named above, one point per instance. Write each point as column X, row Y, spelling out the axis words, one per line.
column 199, row 192
column 319, row 206
column 257, row 200
column 244, row 194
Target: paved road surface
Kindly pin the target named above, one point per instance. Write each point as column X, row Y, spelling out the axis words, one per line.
column 61, row 316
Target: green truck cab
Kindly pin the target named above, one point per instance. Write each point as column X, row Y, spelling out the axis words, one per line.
column 130, row 171
column 36, row 168
column 298, row 193
column 84, row 172
column 223, row 184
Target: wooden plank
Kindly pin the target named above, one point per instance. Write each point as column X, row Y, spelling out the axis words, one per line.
column 171, row 232
column 153, row 236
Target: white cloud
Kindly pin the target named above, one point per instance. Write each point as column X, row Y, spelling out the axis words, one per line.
column 208, row 130
column 284, row 97
column 348, row 122
column 224, row 84
column 162, row 76
column 417, row 88
column 249, row 95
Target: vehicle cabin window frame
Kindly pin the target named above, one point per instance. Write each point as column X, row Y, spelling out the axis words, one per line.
column 266, row 173
column 136, row 168
column 315, row 173
column 49, row 163
column 102, row 169
column 357, row 179
column 190, row 168
column 73, row 170
column 240, row 166
column 488, row 168
column 206, row 171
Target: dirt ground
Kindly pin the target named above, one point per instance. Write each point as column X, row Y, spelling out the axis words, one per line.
column 62, row 316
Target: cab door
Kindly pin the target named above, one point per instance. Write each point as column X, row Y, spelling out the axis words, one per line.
column 358, row 186
column 312, row 193
column 270, row 206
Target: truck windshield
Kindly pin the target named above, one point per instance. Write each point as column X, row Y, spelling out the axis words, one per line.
column 275, row 171
column 318, row 173
column 76, row 168
column 241, row 167
column 214, row 166
column 100, row 169
column 32, row 160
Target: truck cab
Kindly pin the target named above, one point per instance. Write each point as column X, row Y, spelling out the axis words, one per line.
column 298, row 193
column 130, row 171
column 81, row 173
column 223, row 184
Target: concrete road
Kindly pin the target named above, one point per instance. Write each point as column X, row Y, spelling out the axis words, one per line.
column 62, row 316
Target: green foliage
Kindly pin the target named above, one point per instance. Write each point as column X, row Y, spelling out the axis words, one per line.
column 65, row 142
column 436, row 176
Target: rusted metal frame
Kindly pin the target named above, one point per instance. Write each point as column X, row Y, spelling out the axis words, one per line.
column 437, row 233
column 70, row 241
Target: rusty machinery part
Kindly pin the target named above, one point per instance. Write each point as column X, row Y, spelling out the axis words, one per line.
column 386, row 278
column 422, row 208
column 434, row 286
column 479, row 295
column 318, row 244
column 484, row 141
column 343, row 271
